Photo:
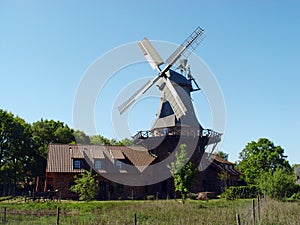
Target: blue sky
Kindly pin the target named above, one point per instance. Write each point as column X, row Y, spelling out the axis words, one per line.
column 252, row 47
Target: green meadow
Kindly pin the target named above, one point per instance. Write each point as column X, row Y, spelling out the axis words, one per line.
column 150, row 212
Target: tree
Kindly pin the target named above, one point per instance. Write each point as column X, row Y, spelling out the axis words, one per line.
column 223, row 155
column 125, row 142
column 85, row 186
column 81, row 137
column 16, row 149
column 184, row 173
column 258, row 157
column 45, row 132
column 99, row 140
column 224, row 176
column 277, row 184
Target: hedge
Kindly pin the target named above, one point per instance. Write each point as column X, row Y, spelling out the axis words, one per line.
column 235, row 192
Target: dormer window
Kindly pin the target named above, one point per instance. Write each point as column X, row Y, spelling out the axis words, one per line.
column 77, row 163
column 119, row 164
column 98, row 164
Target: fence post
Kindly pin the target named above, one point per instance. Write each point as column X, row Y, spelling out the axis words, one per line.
column 258, row 208
column 238, row 220
column 253, row 211
column 132, row 194
column 4, row 216
column 57, row 215
column 135, row 220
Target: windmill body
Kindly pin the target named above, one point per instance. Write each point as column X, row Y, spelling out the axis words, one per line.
column 175, row 121
column 166, row 117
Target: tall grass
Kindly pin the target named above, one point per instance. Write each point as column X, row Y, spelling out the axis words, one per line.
column 152, row 212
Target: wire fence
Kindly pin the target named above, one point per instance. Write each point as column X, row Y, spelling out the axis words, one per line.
column 264, row 210
column 259, row 211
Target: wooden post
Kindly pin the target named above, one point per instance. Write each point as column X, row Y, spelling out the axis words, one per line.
column 132, row 194
column 4, row 216
column 238, row 220
column 258, row 208
column 253, row 211
column 135, row 220
column 57, row 216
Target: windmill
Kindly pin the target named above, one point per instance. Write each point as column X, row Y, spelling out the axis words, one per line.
column 176, row 116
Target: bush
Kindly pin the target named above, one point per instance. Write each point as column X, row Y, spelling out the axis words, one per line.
column 296, row 196
column 278, row 184
column 85, row 185
column 235, row 192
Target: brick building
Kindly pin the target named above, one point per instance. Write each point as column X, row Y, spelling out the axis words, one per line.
column 65, row 161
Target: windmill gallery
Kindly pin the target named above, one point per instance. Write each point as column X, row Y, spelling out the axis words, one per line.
column 143, row 169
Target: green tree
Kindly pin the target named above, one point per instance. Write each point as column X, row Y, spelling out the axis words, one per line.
column 184, row 173
column 81, row 138
column 125, row 142
column 46, row 132
column 277, row 184
column 16, row 150
column 99, row 140
column 86, row 186
column 258, row 157
column 222, row 155
column 224, row 177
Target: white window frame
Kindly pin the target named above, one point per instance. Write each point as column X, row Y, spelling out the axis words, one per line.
column 119, row 164
column 98, row 164
column 77, row 164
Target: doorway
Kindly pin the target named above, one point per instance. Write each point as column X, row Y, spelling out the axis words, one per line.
column 102, row 190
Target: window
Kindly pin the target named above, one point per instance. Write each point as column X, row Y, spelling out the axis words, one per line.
column 120, row 188
column 77, row 164
column 98, row 164
column 119, row 164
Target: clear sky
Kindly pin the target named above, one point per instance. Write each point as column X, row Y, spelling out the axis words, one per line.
column 252, row 47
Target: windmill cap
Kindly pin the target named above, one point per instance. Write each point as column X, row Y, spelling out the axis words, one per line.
column 183, row 62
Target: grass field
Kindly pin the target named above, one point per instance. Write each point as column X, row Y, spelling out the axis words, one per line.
column 150, row 212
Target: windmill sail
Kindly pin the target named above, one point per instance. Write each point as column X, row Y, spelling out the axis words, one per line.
column 137, row 94
column 150, row 54
column 172, row 96
column 188, row 45
column 155, row 61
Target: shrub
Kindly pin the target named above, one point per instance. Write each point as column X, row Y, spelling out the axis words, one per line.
column 235, row 192
column 85, row 185
column 296, row 196
column 278, row 184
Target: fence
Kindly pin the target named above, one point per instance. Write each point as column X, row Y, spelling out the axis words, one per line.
column 13, row 216
column 256, row 211
column 16, row 216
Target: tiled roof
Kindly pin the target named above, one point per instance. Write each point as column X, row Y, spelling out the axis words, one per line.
column 116, row 152
column 139, row 157
column 221, row 164
column 221, row 160
column 60, row 156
